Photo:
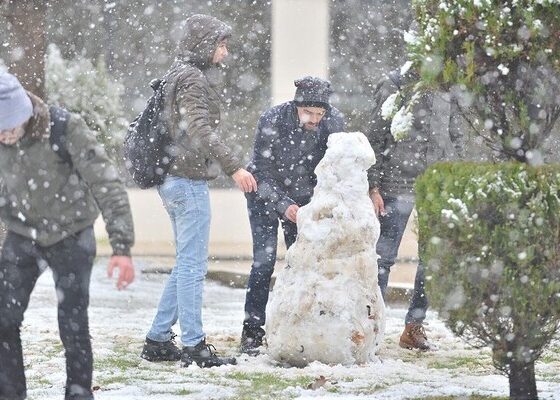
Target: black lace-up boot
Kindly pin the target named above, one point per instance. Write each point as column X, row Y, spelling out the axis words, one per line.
column 204, row 355
column 161, row 351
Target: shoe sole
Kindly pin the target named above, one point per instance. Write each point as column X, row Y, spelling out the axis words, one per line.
column 203, row 365
column 410, row 347
column 158, row 359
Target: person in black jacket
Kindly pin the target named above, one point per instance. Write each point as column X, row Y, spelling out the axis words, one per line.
column 434, row 135
column 290, row 140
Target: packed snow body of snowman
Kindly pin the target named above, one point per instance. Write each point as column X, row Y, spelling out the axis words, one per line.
column 326, row 305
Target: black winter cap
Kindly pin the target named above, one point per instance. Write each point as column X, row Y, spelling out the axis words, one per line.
column 312, row 92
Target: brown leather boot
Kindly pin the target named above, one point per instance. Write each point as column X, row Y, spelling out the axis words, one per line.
column 414, row 337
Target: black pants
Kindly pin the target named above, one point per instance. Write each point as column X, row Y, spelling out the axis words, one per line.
column 393, row 225
column 21, row 263
column 264, row 227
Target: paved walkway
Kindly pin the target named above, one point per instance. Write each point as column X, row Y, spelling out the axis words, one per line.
column 235, row 272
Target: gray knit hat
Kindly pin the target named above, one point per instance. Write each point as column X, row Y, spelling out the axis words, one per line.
column 15, row 104
column 312, row 92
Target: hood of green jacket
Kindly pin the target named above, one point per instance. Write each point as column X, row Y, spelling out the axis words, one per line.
column 200, row 39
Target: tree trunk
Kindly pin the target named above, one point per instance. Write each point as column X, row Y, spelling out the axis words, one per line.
column 522, row 383
column 27, row 43
column 109, row 24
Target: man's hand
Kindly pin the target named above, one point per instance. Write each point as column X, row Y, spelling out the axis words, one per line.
column 126, row 273
column 291, row 213
column 245, row 180
column 377, row 200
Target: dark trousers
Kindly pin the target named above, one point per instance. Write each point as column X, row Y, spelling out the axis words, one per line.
column 21, row 263
column 264, row 228
column 393, row 225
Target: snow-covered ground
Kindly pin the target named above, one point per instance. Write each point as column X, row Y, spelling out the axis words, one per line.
column 119, row 321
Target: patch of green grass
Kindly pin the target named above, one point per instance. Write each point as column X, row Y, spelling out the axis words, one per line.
column 106, row 380
column 549, row 358
column 552, row 354
column 116, row 368
column 121, row 362
column 261, row 385
column 460, row 362
column 372, row 388
column 183, row 392
column 51, row 349
column 41, row 382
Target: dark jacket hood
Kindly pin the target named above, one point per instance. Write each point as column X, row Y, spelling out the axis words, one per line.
column 201, row 36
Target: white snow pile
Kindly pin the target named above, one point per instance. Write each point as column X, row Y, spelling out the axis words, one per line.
column 327, row 305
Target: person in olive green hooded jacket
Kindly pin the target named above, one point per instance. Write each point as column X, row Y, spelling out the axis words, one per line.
column 49, row 204
column 192, row 111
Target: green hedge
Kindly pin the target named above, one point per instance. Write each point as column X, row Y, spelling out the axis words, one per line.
column 489, row 236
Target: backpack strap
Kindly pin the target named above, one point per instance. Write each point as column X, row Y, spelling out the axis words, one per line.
column 58, row 139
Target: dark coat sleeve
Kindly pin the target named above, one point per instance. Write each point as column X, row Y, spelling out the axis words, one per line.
column 262, row 165
column 379, row 132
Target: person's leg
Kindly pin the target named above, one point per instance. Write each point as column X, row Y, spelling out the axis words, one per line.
column 419, row 302
column 393, row 225
column 167, row 311
column 188, row 204
column 193, row 234
column 71, row 261
column 264, row 230
column 414, row 336
column 18, row 274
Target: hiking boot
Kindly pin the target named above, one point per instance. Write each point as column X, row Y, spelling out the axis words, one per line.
column 414, row 337
column 204, row 355
column 251, row 340
column 161, row 351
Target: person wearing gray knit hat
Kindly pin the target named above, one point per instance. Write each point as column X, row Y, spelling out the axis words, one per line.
column 47, row 156
column 15, row 104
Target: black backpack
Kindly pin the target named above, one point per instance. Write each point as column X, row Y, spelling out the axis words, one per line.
column 147, row 144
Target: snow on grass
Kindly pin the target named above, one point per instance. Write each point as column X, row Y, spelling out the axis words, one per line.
column 120, row 320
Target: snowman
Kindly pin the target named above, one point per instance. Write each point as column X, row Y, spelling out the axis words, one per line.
column 326, row 305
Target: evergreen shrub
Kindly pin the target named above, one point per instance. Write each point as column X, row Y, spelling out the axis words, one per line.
column 490, row 238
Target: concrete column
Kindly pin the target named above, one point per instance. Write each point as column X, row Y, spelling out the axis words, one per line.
column 300, row 44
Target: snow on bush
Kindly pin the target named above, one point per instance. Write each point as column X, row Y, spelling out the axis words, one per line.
column 489, row 237
column 500, row 60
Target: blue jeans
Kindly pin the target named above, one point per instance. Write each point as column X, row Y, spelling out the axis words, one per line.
column 188, row 204
column 393, row 225
column 264, row 228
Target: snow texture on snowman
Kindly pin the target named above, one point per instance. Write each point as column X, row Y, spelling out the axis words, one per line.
column 326, row 305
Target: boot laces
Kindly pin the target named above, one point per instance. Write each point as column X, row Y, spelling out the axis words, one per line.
column 210, row 349
column 418, row 329
column 173, row 336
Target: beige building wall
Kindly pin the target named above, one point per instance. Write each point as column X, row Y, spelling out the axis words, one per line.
column 300, row 44
column 230, row 234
